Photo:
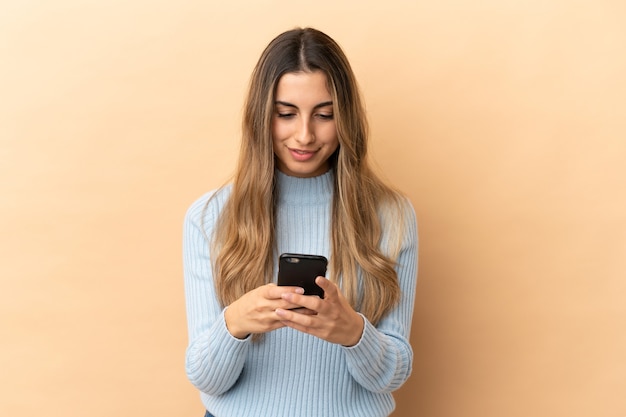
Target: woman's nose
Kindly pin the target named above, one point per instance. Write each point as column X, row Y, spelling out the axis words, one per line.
column 304, row 134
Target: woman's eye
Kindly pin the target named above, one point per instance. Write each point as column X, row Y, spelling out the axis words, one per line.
column 325, row 116
column 285, row 115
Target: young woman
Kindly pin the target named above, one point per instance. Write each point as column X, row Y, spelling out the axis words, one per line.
column 303, row 185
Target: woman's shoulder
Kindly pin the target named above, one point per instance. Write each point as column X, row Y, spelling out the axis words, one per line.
column 209, row 205
column 408, row 207
column 398, row 221
column 397, row 205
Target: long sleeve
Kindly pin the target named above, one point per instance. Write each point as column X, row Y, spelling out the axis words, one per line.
column 214, row 358
column 382, row 360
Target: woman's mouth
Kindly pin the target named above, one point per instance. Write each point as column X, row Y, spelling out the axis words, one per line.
column 300, row 155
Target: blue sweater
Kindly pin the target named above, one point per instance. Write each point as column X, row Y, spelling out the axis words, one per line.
column 288, row 373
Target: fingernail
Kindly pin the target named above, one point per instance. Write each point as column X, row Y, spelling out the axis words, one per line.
column 299, row 290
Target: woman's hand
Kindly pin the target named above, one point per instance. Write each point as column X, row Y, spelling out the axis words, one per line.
column 255, row 311
column 335, row 321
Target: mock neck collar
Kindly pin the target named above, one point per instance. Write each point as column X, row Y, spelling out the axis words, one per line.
column 305, row 191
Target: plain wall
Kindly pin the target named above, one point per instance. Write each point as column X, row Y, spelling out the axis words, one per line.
column 504, row 122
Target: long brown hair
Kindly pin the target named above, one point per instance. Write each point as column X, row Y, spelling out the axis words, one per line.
column 366, row 213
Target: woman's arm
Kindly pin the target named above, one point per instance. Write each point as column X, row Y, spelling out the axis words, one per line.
column 214, row 358
column 382, row 360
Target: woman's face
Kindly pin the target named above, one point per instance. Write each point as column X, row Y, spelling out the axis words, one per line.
column 304, row 132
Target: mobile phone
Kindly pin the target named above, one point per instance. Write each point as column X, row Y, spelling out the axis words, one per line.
column 300, row 270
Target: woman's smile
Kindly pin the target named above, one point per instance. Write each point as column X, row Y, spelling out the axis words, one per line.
column 302, row 156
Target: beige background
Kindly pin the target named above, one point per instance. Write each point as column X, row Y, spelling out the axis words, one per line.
column 504, row 121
